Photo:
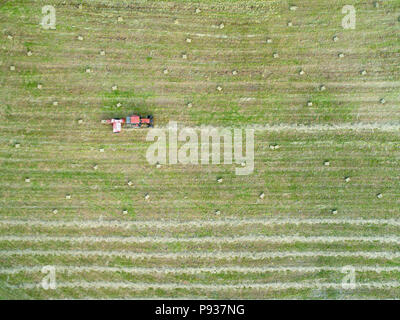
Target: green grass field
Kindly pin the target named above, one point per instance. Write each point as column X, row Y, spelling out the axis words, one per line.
column 173, row 245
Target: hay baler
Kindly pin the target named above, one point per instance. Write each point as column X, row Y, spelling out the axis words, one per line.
column 130, row 122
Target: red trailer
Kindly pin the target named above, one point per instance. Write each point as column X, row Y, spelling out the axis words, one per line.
column 133, row 121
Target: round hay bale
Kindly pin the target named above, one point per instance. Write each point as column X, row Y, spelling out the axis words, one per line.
column 243, row 163
column 341, row 55
column 293, row 8
column 29, row 53
column 234, row 72
column 219, row 88
column 262, row 195
column 80, row 38
column 88, row 70
column 217, row 212
column 27, row 180
column 309, row 103
column 189, row 105
column 301, row 72
column 124, row 211
column 17, row 145
column 347, row 179
column 102, row 53
column 335, row 38
column 80, row 121
column 68, row 197
column 120, row 19
column 198, row 10
column 363, row 72
column 188, row 40
column 219, row 180
column 101, row 150
column 382, row 101
column 290, row 23
column 327, row 163
column 55, row 211
column 130, row 183
column 322, row 88
column 114, row 88
column 9, row 37
column 55, row 103
column 184, row 56
column 165, row 71
column 146, row 196
column 275, row 55
column 95, row 167
column 12, row 68
column 221, row 26
column 118, row 105
column 379, row 195
column 269, row 40
column 39, row 86
column 158, row 165
column 334, row 211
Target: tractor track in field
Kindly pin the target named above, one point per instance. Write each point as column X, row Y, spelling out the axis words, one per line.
column 358, row 126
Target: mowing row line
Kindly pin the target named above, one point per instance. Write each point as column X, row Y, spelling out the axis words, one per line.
column 228, row 222
column 285, row 127
column 197, row 270
column 219, row 287
column 214, row 240
column 215, row 255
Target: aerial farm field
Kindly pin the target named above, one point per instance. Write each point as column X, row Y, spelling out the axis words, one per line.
column 317, row 218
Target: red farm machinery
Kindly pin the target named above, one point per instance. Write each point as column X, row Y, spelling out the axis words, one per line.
column 130, row 122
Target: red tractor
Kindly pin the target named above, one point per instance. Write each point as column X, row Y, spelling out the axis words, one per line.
column 133, row 121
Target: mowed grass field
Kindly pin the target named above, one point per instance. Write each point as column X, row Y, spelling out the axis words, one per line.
column 62, row 199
